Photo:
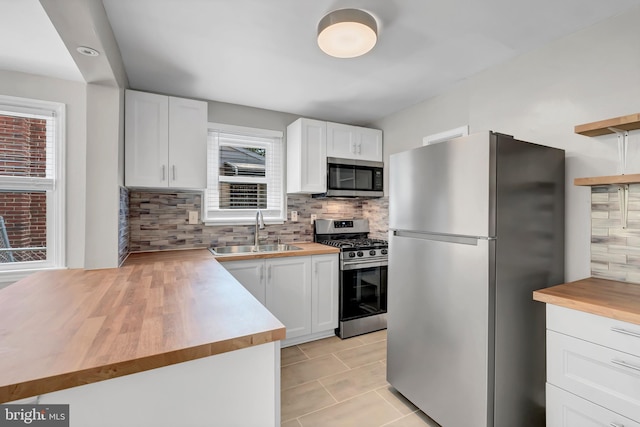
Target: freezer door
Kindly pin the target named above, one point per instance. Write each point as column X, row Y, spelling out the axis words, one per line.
column 439, row 319
column 445, row 188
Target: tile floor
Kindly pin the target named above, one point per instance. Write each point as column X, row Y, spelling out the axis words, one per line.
column 342, row 383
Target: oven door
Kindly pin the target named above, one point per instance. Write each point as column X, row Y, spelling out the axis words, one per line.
column 363, row 289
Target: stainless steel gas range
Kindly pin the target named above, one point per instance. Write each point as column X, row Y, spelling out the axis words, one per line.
column 363, row 274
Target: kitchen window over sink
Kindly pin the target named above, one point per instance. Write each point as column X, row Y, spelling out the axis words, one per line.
column 31, row 186
column 245, row 173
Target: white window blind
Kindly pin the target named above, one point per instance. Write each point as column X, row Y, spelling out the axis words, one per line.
column 31, row 184
column 245, row 173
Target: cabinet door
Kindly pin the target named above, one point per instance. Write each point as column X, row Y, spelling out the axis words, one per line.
column 369, row 144
column 289, row 293
column 568, row 410
column 187, row 143
column 307, row 157
column 602, row 375
column 251, row 274
column 324, row 292
column 341, row 141
column 146, row 139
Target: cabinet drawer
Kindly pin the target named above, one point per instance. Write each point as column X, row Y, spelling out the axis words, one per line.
column 568, row 410
column 601, row 330
column 599, row 374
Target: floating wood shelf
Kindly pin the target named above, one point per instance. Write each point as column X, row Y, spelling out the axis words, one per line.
column 608, row 180
column 630, row 122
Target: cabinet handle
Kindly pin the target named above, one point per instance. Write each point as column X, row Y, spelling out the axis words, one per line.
column 164, row 172
column 360, row 148
column 269, row 273
column 174, row 172
column 261, row 272
column 625, row 364
column 353, row 147
column 625, row 332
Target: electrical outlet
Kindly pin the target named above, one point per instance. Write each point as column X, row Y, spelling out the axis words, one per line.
column 313, row 218
column 294, row 216
column 193, row 217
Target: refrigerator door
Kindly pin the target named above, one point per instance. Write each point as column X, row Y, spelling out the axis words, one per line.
column 440, row 314
column 445, row 188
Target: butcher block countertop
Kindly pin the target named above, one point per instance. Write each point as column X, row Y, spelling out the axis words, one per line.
column 609, row 298
column 65, row 328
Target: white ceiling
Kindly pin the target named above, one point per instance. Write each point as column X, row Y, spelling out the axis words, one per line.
column 263, row 53
column 29, row 42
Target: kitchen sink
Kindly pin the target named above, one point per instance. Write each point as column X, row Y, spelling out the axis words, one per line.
column 248, row 249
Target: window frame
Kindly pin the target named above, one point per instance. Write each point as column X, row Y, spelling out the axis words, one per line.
column 273, row 214
column 55, row 219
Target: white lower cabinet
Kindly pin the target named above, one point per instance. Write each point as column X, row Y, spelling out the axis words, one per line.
column 565, row 409
column 593, row 370
column 324, row 293
column 251, row 275
column 301, row 291
column 288, row 290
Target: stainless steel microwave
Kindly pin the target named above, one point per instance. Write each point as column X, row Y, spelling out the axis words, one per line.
column 354, row 178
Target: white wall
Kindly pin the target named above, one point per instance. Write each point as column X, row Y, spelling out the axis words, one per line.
column 74, row 96
column 539, row 97
column 104, row 175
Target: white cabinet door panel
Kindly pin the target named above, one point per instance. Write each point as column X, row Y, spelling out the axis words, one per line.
column 188, row 143
column 325, row 287
column 369, row 144
column 147, row 142
column 306, row 157
column 251, row 274
column 565, row 409
column 288, row 293
column 596, row 373
column 341, row 141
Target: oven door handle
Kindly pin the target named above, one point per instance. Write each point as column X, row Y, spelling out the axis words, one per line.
column 363, row 264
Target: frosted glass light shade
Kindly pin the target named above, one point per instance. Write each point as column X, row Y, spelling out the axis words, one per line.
column 347, row 33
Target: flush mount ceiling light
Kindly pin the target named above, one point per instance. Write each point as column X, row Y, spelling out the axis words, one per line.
column 87, row 51
column 347, row 33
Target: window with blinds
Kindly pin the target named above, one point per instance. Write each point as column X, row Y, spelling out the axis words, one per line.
column 30, row 188
column 245, row 174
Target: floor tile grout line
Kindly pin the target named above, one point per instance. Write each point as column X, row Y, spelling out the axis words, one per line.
column 326, row 376
column 333, row 352
column 382, row 397
column 335, row 356
column 340, row 403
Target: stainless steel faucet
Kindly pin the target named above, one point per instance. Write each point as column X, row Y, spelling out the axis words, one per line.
column 259, row 226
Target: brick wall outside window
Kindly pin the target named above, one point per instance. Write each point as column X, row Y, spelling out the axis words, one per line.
column 23, row 153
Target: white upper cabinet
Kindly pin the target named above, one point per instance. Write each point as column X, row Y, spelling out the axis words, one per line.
column 354, row 142
column 310, row 142
column 165, row 141
column 306, row 157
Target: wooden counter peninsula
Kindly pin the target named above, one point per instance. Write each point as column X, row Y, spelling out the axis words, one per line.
column 602, row 297
column 178, row 340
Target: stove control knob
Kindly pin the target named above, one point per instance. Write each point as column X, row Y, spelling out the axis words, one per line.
column 360, row 253
column 372, row 252
column 352, row 254
column 384, row 252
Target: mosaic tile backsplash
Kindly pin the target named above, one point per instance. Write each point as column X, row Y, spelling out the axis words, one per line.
column 615, row 251
column 158, row 221
column 123, row 226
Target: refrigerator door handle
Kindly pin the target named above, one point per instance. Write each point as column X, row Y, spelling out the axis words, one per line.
column 450, row 238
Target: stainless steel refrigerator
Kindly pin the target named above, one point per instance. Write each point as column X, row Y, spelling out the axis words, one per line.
column 476, row 225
